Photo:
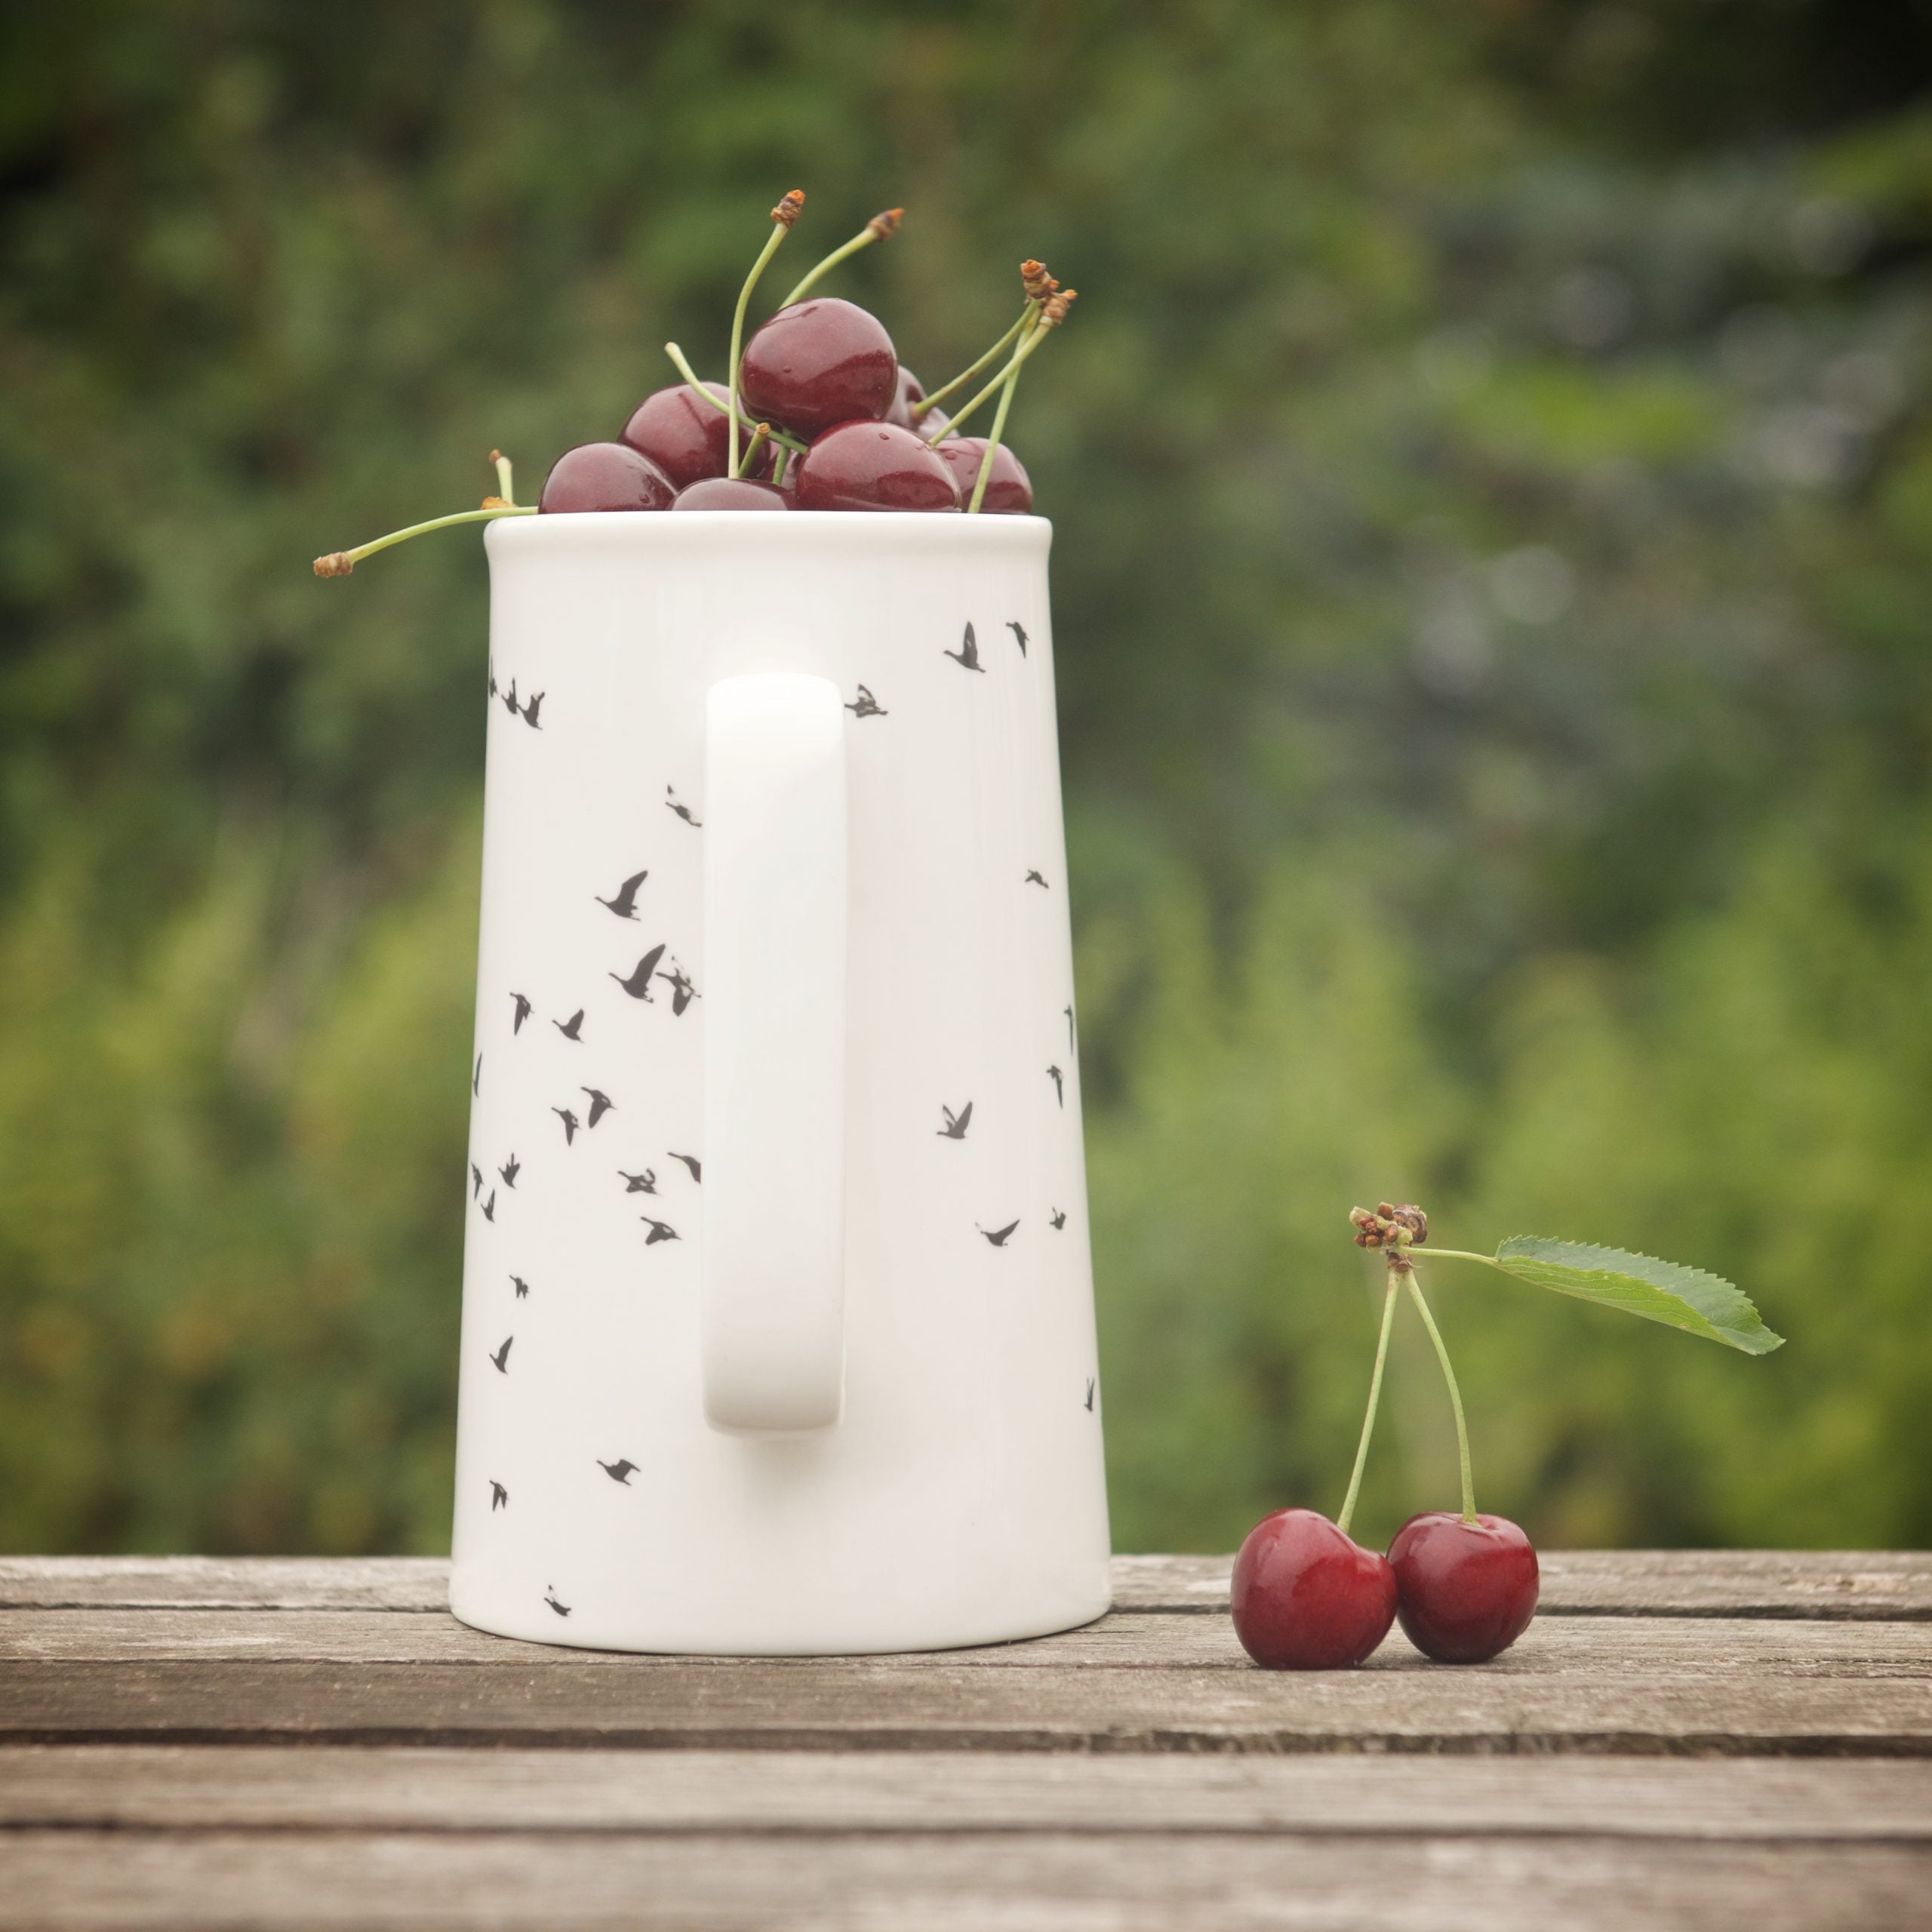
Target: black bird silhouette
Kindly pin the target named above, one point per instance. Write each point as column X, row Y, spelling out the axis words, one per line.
column 490, row 1207
column 682, row 991
column 1058, row 1217
column 1070, row 1046
column 493, row 677
column 660, row 1231
column 510, row 699
column 521, row 1287
column 638, row 985
column 569, row 1120
column 501, row 1357
column 967, row 655
column 692, row 1161
column 644, row 1183
column 624, row 904
column 499, row 1496
column 510, row 1169
column 1034, row 878
column 620, row 1470
column 1060, row 1083
column 1089, row 1393
column 571, row 1029
column 673, row 803
column 955, row 1128
column 476, row 1078
column 522, row 1014
column 531, row 710
column 475, row 1181
column 866, row 705
column 998, row 1236
column 601, row 1104
column 1019, row 635
column 550, row 1598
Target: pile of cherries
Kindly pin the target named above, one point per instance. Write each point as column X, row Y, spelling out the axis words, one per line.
column 823, row 418
column 1307, row 1596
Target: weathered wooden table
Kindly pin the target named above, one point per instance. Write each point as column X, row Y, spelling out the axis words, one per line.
column 1681, row 1740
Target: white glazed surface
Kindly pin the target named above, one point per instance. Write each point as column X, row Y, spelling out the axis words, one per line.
column 960, row 1498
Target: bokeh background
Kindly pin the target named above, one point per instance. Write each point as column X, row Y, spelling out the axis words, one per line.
column 1492, row 469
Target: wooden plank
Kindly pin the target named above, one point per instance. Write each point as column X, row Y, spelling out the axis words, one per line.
column 1407, row 1705
column 1600, row 1646
column 269, row 1787
column 1887, row 1585
column 869, row 1883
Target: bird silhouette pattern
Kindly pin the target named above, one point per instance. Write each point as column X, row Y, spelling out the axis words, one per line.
column 638, row 985
column 623, row 904
column 968, row 656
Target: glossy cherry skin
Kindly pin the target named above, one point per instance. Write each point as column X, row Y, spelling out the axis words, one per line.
column 1009, row 490
column 685, row 437
column 731, row 493
column 818, row 363
column 909, row 390
column 873, row 466
column 1465, row 1591
column 605, row 476
column 1308, row 1598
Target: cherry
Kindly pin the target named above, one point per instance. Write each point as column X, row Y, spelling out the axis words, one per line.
column 681, row 432
column 816, row 363
column 605, row 476
column 731, row 493
column 910, row 390
column 1467, row 1590
column 1308, row 1597
column 873, row 466
column 1008, row 489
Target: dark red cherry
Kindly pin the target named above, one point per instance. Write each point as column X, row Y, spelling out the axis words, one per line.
column 1467, row 1591
column 873, row 466
column 1008, row 490
column 605, row 476
column 1308, row 1598
column 909, row 390
column 682, row 434
column 731, row 493
column 818, row 363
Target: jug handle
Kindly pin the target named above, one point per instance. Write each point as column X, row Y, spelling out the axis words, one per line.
column 772, row 1259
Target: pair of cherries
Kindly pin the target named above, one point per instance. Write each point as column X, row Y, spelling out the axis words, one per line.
column 1308, row 1597
column 824, row 372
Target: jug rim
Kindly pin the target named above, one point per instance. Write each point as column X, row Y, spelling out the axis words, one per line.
column 843, row 532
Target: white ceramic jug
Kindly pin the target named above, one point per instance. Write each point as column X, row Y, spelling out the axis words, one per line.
column 777, row 1323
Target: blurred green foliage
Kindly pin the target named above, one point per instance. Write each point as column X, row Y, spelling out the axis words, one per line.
column 1493, row 472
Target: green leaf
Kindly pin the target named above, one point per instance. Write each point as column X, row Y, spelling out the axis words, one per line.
column 1686, row 1298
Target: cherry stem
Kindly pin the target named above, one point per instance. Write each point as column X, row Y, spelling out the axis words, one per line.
column 504, row 487
column 1455, row 1394
column 967, row 374
column 760, row 437
column 779, row 229
column 698, row 389
column 992, row 443
column 1032, row 342
column 1347, row 1516
column 866, row 237
column 340, row 563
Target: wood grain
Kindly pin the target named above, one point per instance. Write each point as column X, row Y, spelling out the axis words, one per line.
column 873, row 1882
column 1886, row 1585
column 1599, row 1647
column 266, row 1788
